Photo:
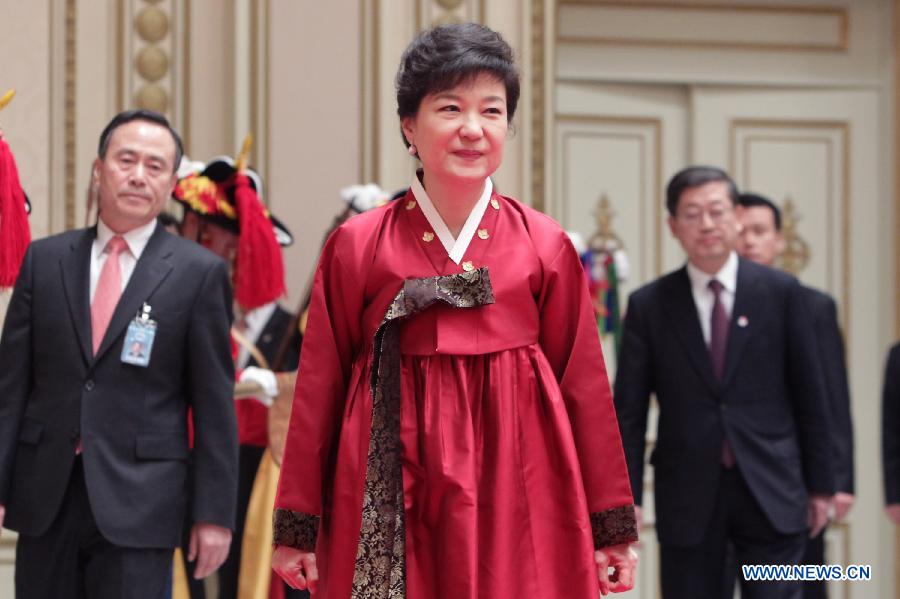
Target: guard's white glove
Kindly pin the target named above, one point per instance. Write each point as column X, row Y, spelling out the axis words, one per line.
column 266, row 380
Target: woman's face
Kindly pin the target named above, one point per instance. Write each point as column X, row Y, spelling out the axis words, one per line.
column 460, row 133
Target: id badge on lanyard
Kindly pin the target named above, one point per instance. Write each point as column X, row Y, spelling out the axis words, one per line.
column 139, row 339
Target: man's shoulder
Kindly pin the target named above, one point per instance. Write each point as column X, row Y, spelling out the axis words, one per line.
column 59, row 241
column 818, row 298
column 659, row 288
column 894, row 357
column 773, row 278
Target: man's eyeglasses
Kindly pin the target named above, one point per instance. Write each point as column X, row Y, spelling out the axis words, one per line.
column 693, row 217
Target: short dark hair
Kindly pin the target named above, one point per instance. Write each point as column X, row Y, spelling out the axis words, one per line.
column 750, row 200
column 139, row 114
column 695, row 176
column 441, row 58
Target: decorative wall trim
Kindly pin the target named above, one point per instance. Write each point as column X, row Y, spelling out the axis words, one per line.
column 896, row 106
column 843, row 129
column 539, row 75
column 70, row 131
column 724, row 12
column 186, row 76
column 896, row 233
column 258, row 135
column 656, row 125
column 259, row 88
column 151, row 81
column 431, row 13
column 120, row 56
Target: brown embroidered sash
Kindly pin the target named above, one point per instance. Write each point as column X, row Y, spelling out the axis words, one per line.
column 381, row 558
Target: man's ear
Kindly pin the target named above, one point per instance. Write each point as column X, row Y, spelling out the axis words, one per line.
column 671, row 222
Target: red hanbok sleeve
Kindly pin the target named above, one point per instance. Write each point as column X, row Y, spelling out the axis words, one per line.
column 333, row 334
column 570, row 339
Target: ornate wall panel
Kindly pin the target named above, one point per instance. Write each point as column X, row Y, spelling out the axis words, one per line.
column 677, row 25
column 790, row 42
column 776, row 158
column 619, row 159
column 430, row 13
column 149, row 38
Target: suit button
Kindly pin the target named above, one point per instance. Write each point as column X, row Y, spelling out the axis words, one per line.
column 89, row 385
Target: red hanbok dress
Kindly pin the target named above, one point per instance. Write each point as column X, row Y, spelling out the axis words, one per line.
column 496, row 408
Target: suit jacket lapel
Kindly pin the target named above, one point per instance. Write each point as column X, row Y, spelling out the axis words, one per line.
column 151, row 269
column 745, row 315
column 683, row 315
column 76, row 277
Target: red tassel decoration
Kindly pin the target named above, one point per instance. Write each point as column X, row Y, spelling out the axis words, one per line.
column 259, row 269
column 14, row 232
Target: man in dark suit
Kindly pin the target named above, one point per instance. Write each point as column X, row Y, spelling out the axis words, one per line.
column 93, row 443
column 890, row 435
column 761, row 241
column 742, row 452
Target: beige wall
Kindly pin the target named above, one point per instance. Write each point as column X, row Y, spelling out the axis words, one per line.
column 314, row 116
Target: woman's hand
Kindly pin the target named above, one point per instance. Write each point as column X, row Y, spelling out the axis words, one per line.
column 623, row 560
column 297, row 568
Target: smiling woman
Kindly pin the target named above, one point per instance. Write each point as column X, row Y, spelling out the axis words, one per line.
column 452, row 433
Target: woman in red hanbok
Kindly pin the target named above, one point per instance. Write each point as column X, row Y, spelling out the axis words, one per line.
column 453, row 433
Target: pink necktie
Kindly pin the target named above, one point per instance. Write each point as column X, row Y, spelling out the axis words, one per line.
column 718, row 342
column 109, row 289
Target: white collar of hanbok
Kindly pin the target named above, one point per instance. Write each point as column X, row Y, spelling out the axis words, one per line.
column 456, row 248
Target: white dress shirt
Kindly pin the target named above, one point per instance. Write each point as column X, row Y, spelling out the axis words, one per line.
column 136, row 239
column 456, row 248
column 703, row 295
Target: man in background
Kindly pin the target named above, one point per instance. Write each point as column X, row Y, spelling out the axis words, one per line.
column 742, row 453
column 762, row 241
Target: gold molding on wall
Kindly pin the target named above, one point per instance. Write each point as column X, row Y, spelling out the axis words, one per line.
column 70, row 147
column 186, row 76
column 120, row 56
column 267, row 72
column 896, row 233
column 775, row 10
column 448, row 12
column 259, row 70
column 376, row 90
column 539, row 70
column 254, row 85
column 656, row 125
column 841, row 127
